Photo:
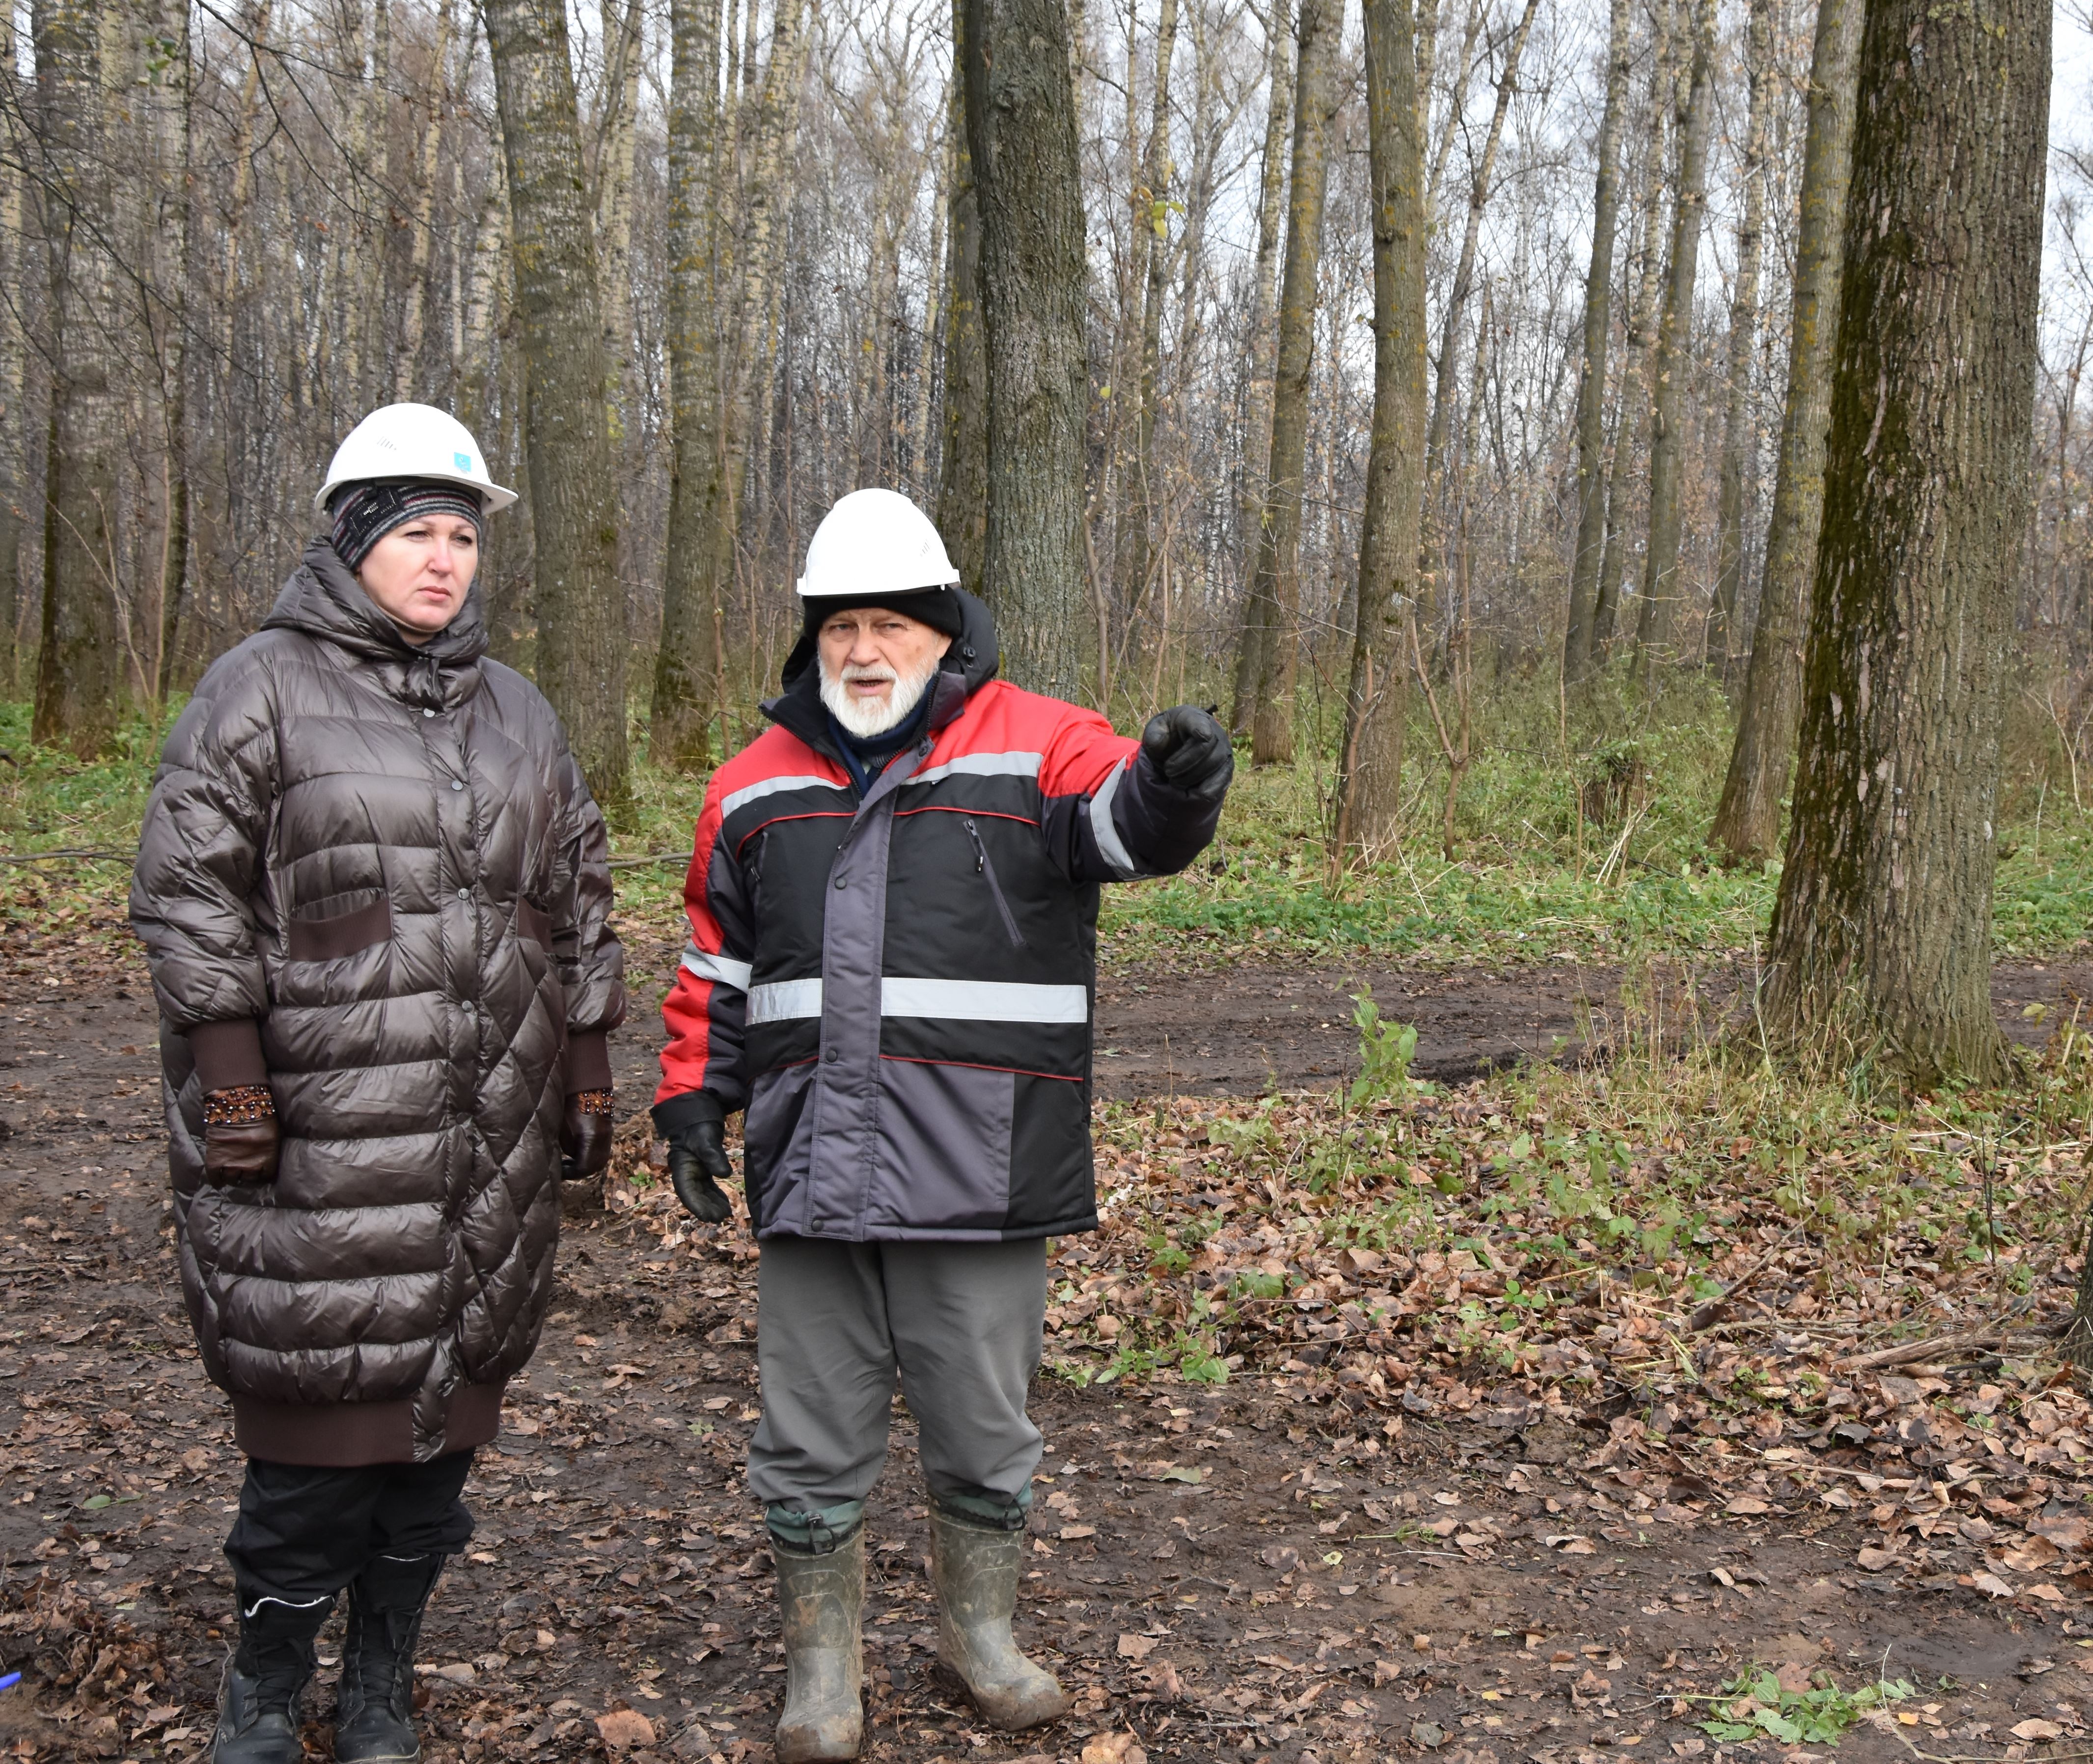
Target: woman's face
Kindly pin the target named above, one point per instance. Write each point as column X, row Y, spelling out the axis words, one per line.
column 418, row 573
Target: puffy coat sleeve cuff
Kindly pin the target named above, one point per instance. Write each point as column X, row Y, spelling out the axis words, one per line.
column 693, row 1109
column 588, row 1062
column 227, row 1054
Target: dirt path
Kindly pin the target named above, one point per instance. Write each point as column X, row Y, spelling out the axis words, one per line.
column 1240, row 1031
column 1225, row 1572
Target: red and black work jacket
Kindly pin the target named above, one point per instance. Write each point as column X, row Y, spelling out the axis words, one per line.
column 896, row 984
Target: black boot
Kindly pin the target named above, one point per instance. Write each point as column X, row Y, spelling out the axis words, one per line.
column 258, row 1716
column 375, row 1725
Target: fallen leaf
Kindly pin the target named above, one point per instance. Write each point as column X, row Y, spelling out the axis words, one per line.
column 1873, row 1561
column 1136, row 1647
column 2032, row 1729
column 2048, row 1594
column 1163, row 1682
column 1992, row 1585
column 2067, row 1531
column 1279, row 1557
column 1745, row 1505
column 1114, row 1748
column 1428, row 1735
column 625, row 1728
column 1078, row 1531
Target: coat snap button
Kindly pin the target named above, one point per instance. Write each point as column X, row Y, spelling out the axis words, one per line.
column 456, row 785
column 833, row 1055
column 465, row 893
column 427, row 712
column 842, row 881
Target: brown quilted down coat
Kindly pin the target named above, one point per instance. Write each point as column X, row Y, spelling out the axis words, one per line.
column 372, row 875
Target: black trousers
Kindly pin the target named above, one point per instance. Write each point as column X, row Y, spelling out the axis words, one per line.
column 304, row 1533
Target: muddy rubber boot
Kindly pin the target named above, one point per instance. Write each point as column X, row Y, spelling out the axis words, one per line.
column 258, row 1711
column 822, row 1599
column 375, row 1723
column 976, row 1570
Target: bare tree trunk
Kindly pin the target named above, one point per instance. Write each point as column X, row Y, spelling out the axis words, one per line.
column 1275, row 586
column 407, row 351
column 1747, row 819
column 963, row 468
column 186, row 273
column 1464, row 278
column 1263, row 330
column 1370, row 766
column 77, row 668
column 686, row 666
column 1633, row 416
column 14, row 373
column 1882, row 935
column 1660, row 582
column 1737, row 424
column 580, row 603
column 1021, row 130
column 617, row 138
column 1155, row 249
column 1598, row 327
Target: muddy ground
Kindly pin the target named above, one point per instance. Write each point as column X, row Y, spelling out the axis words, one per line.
column 1223, row 1573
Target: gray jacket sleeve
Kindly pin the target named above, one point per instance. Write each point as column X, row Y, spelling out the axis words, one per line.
column 200, row 854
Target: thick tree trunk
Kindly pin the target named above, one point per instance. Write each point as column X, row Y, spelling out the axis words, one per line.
column 1747, row 819
column 76, row 671
column 1276, row 586
column 1632, row 418
column 1882, row 935
column 616, row 143
column 580, row 603
column 1370, row 768
column 1264, row 332
column 963, row 467
column 686, row 666
column 1591, row 380
column 1655, row 619
column 1738, row 447
column 1021, row 133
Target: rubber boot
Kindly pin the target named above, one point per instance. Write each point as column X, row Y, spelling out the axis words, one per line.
column 375, row 1722
column 977, row 1568
column 822, row 1598
column 257, row 1713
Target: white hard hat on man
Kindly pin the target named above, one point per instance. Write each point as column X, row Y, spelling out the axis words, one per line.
column 873, row 543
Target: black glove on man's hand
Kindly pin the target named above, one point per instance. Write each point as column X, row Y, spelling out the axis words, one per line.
column 695, row 1125
column 1191, row 750
column 585, row 1135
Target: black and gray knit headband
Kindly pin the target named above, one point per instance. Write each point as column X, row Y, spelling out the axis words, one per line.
column 365, row 513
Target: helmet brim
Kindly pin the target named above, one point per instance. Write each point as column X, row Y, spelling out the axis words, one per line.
column 494, row 497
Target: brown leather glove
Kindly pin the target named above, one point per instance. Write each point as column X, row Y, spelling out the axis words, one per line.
column 240, row 1140
column 585, row 1134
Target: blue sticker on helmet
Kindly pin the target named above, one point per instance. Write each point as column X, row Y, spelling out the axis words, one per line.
column 464, row 460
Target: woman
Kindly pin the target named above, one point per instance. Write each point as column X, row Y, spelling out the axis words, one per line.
column 375, row 895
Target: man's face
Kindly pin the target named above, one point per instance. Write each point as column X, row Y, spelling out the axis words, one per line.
column 875, row 663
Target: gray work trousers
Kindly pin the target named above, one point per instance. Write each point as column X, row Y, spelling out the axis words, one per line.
column 960, row 1323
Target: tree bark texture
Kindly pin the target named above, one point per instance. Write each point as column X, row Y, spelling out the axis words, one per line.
column 1655, row 619
column 1155, row 253
column 1598, row 327
column 76, row 671
column 1274, row 598
column 580, row 602
column 963, row 473
column 686, row 666
column 1369, row 770
column 1264, row 331
column 1881, row 934
column 1633, row 417
column 1737, row 442
column 1021, row 133
column 1748, row 819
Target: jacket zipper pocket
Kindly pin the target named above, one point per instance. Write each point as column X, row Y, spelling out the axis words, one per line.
column 986, row 871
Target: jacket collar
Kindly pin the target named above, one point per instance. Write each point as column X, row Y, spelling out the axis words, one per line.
column 969, row 665
column 323, row 600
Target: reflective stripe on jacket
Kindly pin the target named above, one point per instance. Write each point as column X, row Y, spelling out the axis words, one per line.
column 897, row 986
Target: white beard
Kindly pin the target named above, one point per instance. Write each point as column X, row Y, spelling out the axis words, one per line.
column 865, row 717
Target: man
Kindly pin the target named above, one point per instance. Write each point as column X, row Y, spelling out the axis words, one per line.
column 893, row 905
